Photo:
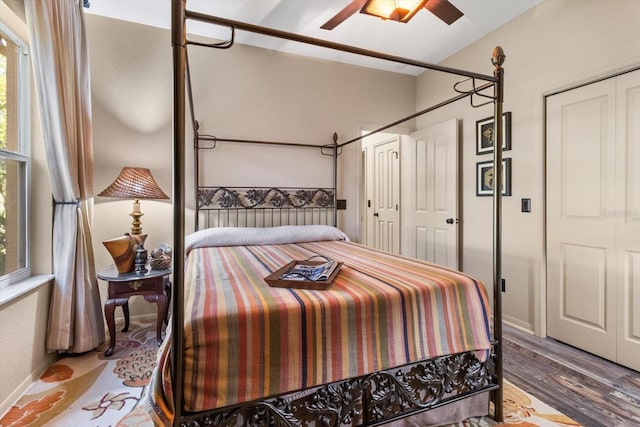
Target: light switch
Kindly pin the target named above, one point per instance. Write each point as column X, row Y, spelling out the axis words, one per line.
column 526, row 205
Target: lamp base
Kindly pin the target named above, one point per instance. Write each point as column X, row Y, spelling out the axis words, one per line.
column 136, row 225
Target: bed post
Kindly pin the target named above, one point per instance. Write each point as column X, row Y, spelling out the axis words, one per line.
column 335, row 179
column 497, row 60
column 196, row 174
column 178, row 42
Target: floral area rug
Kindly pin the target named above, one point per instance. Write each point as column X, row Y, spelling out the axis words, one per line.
column 98, row 391
column 522, row 410
column 91, row 389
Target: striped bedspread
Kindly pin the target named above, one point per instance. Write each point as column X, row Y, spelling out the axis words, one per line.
column 245, row 340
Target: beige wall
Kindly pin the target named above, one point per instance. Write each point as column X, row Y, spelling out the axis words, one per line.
column 558, row 44
column 131, row 106
column 24, row 320
column 253, row 93
column 22, row 344
column 243, row 92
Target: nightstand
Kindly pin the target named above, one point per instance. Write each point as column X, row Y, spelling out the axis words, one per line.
column 153, row 285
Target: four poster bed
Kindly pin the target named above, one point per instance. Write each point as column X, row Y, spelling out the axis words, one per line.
column 392, row 341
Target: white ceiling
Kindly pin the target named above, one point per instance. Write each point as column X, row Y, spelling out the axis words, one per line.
column 425, row 38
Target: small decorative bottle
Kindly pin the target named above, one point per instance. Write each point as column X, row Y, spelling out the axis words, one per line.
column 141, row 260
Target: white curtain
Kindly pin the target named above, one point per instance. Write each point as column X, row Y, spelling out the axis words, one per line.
column 60, row 58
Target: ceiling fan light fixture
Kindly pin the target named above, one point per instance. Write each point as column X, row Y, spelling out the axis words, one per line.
column 395, row 10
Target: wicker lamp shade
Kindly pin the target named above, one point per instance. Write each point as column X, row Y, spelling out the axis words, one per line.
column 134, row 183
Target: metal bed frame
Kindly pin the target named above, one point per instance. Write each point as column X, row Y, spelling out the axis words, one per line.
column 383, row 396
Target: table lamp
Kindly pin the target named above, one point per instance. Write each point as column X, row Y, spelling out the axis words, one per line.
column 135, row 183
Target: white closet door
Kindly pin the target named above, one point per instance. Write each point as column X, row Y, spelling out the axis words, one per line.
column 628, row 218
column 581, row 232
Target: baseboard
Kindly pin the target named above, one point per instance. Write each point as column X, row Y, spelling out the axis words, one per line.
column 518, row 324
column 13, row 398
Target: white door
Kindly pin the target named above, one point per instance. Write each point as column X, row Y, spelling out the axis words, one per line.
column 430, row 195
column 581, row 266
column 386, row 195
column 628, row 217
column 593, row 218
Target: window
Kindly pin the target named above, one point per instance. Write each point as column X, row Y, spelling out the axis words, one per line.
column 14, row 158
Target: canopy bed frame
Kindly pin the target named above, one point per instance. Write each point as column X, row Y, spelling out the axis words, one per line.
column 371, row 399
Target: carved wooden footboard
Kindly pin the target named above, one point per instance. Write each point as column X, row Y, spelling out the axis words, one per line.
column 366, row 400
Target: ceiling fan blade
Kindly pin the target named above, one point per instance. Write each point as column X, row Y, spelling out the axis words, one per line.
column 444, row 10
column 346, row 12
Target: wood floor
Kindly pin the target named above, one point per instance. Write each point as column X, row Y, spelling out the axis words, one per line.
column 587, row 388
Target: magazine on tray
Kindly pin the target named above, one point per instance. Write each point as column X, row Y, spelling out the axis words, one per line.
column 313, row 272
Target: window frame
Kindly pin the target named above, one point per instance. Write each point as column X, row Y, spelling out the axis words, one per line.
column 22, row 155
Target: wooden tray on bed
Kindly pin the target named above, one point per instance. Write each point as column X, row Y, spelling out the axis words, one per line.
column 275, row 279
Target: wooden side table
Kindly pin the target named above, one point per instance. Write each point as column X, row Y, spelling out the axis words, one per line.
column 153, row 285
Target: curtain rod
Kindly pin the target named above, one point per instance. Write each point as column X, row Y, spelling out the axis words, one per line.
column 197, row 16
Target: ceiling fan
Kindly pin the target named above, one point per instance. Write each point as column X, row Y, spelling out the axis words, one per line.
column 395, row 10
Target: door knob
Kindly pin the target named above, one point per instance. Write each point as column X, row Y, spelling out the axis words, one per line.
column 375, row 214
column 449, row 220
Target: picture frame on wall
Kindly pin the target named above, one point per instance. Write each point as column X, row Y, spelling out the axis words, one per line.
column 485, row 134
column 485, row 174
